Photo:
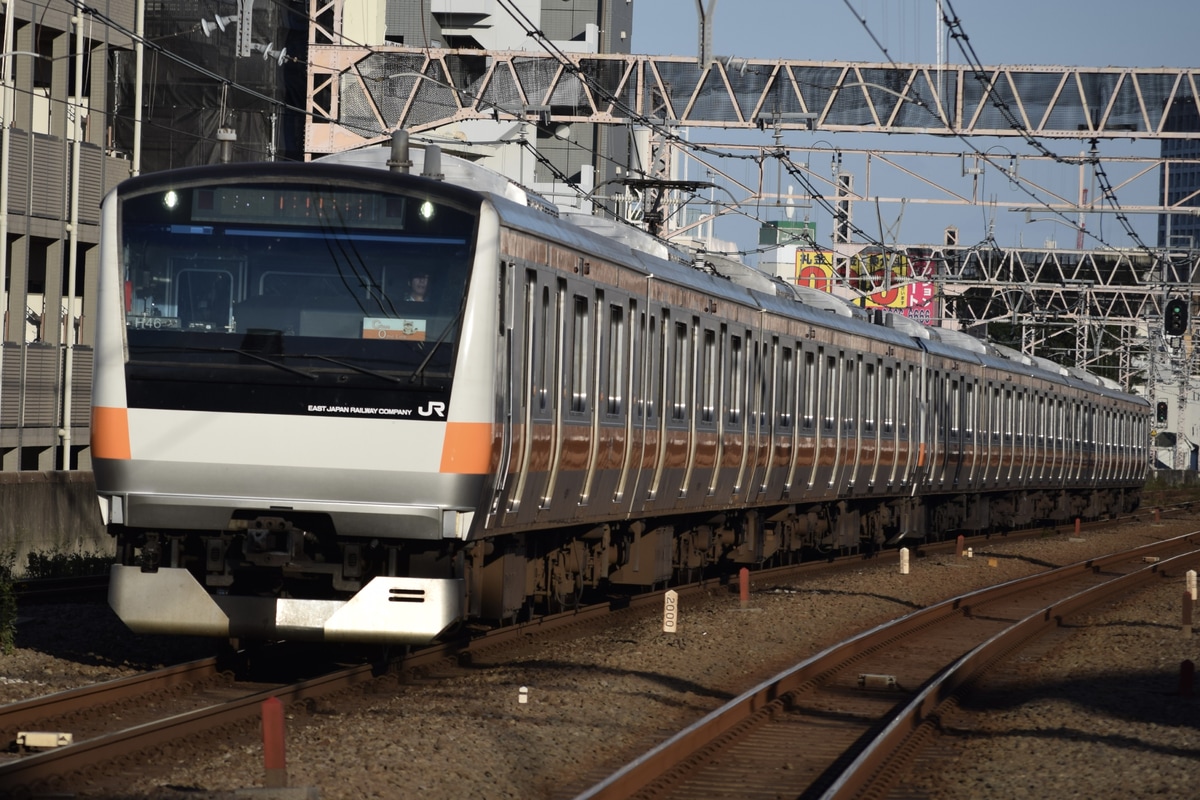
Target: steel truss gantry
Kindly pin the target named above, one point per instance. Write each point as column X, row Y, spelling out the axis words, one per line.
column 358, row 95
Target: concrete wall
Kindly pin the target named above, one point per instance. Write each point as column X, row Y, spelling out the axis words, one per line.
column 46, row 511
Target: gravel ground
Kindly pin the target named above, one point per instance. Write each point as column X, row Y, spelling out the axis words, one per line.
column 1096, row 716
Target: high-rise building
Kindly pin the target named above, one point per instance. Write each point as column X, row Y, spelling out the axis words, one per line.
column 1179, row 181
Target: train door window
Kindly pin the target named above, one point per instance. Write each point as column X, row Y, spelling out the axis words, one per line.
column 904, row 398
column 810, row 389
column 955, row 408
column 614, row 376
column 545, row 353
column 970, row 411
column 831, row 382
column 637, row 361
column 1007, row 416
column 870, row 397
column 707, row 382
column 581, row 353
column 887, row 412
column 651, row 367
column 768, row 383
column 662, row 367
column 737, row 386
column 530, row 347
column 787, row 383
column 681, row 376
column 851, row 395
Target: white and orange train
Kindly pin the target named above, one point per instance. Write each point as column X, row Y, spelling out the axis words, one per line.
column 288, row 443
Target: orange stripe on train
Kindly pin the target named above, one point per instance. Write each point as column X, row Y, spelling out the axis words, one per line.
column 467, row 448
column 110, row 433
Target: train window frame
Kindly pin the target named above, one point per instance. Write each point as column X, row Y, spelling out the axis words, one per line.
column 612, row 391
column 870, row 410
column 787, row 381
column 581, row 355
column 890, row 404
column 737, row 368
column 707, row 382
column 851, row 409
column 831, row 380
column 811, row 388
column 681, row 371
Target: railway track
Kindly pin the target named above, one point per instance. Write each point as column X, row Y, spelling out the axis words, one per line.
column 115, row 720
column 848, row 721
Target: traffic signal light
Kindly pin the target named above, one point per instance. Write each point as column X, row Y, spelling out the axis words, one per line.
column 1160, row 412
column 1175, row 318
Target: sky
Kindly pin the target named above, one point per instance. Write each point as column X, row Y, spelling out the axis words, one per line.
column 1090, row 33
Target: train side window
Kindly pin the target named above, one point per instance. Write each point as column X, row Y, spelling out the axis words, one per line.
column 707, row 380
column 737, row 386
column 657, row 347
column 870, row 397
column 581, row 353
column 767, row 382
column 545, row 353
column 970, row 411
column 810, row 389
column 614, row 376
column 787, row 394
column 830, row 379
column 637, row 361
column 852, row 395
column 955, row 408
column 682, row 372
column 888, row 397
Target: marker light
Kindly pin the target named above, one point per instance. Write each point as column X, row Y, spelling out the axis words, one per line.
column 426, row 210
column 170, row 199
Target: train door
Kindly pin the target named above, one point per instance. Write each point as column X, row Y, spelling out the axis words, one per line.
column 955, row 443
column 789, row 416
column 766, row 414
column 806, row 427
column 885, row 458
column 556, row 373
column 595, row 381
column 862, row 431
column 822, row 416
column 651, row 401
column 874, row 411
column 511, row 380
column 635, row 410
column 674, row 412
column 973, row 448
column 906, row 427
column 686, row 408
column 720, row 484
column 740, row 413
column 705, row 456
column 848, row 402
column 995, row 428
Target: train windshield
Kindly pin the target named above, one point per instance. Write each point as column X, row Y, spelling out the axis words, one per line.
column 306, row 276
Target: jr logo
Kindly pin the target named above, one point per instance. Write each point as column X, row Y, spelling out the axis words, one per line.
column 433, row 408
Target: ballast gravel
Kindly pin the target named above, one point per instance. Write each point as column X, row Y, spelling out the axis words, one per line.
column 1095, row 713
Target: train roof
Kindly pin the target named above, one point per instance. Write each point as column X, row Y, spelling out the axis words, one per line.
column 614, row 240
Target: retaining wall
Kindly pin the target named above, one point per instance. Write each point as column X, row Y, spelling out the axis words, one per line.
column 50, row 511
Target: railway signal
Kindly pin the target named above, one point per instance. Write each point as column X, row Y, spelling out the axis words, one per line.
column 1175, row 318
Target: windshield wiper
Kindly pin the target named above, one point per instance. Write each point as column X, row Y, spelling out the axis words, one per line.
column 445, row 332
column 354, row 367
column 266, row 360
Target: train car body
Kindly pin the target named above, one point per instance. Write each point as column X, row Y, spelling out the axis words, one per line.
column 288, row 445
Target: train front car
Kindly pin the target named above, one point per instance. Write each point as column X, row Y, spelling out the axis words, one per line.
column 280, row 444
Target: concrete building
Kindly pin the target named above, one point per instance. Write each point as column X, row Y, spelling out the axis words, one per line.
column 56, row 162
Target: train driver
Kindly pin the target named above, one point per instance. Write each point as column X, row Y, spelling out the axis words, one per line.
column 418, row 287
